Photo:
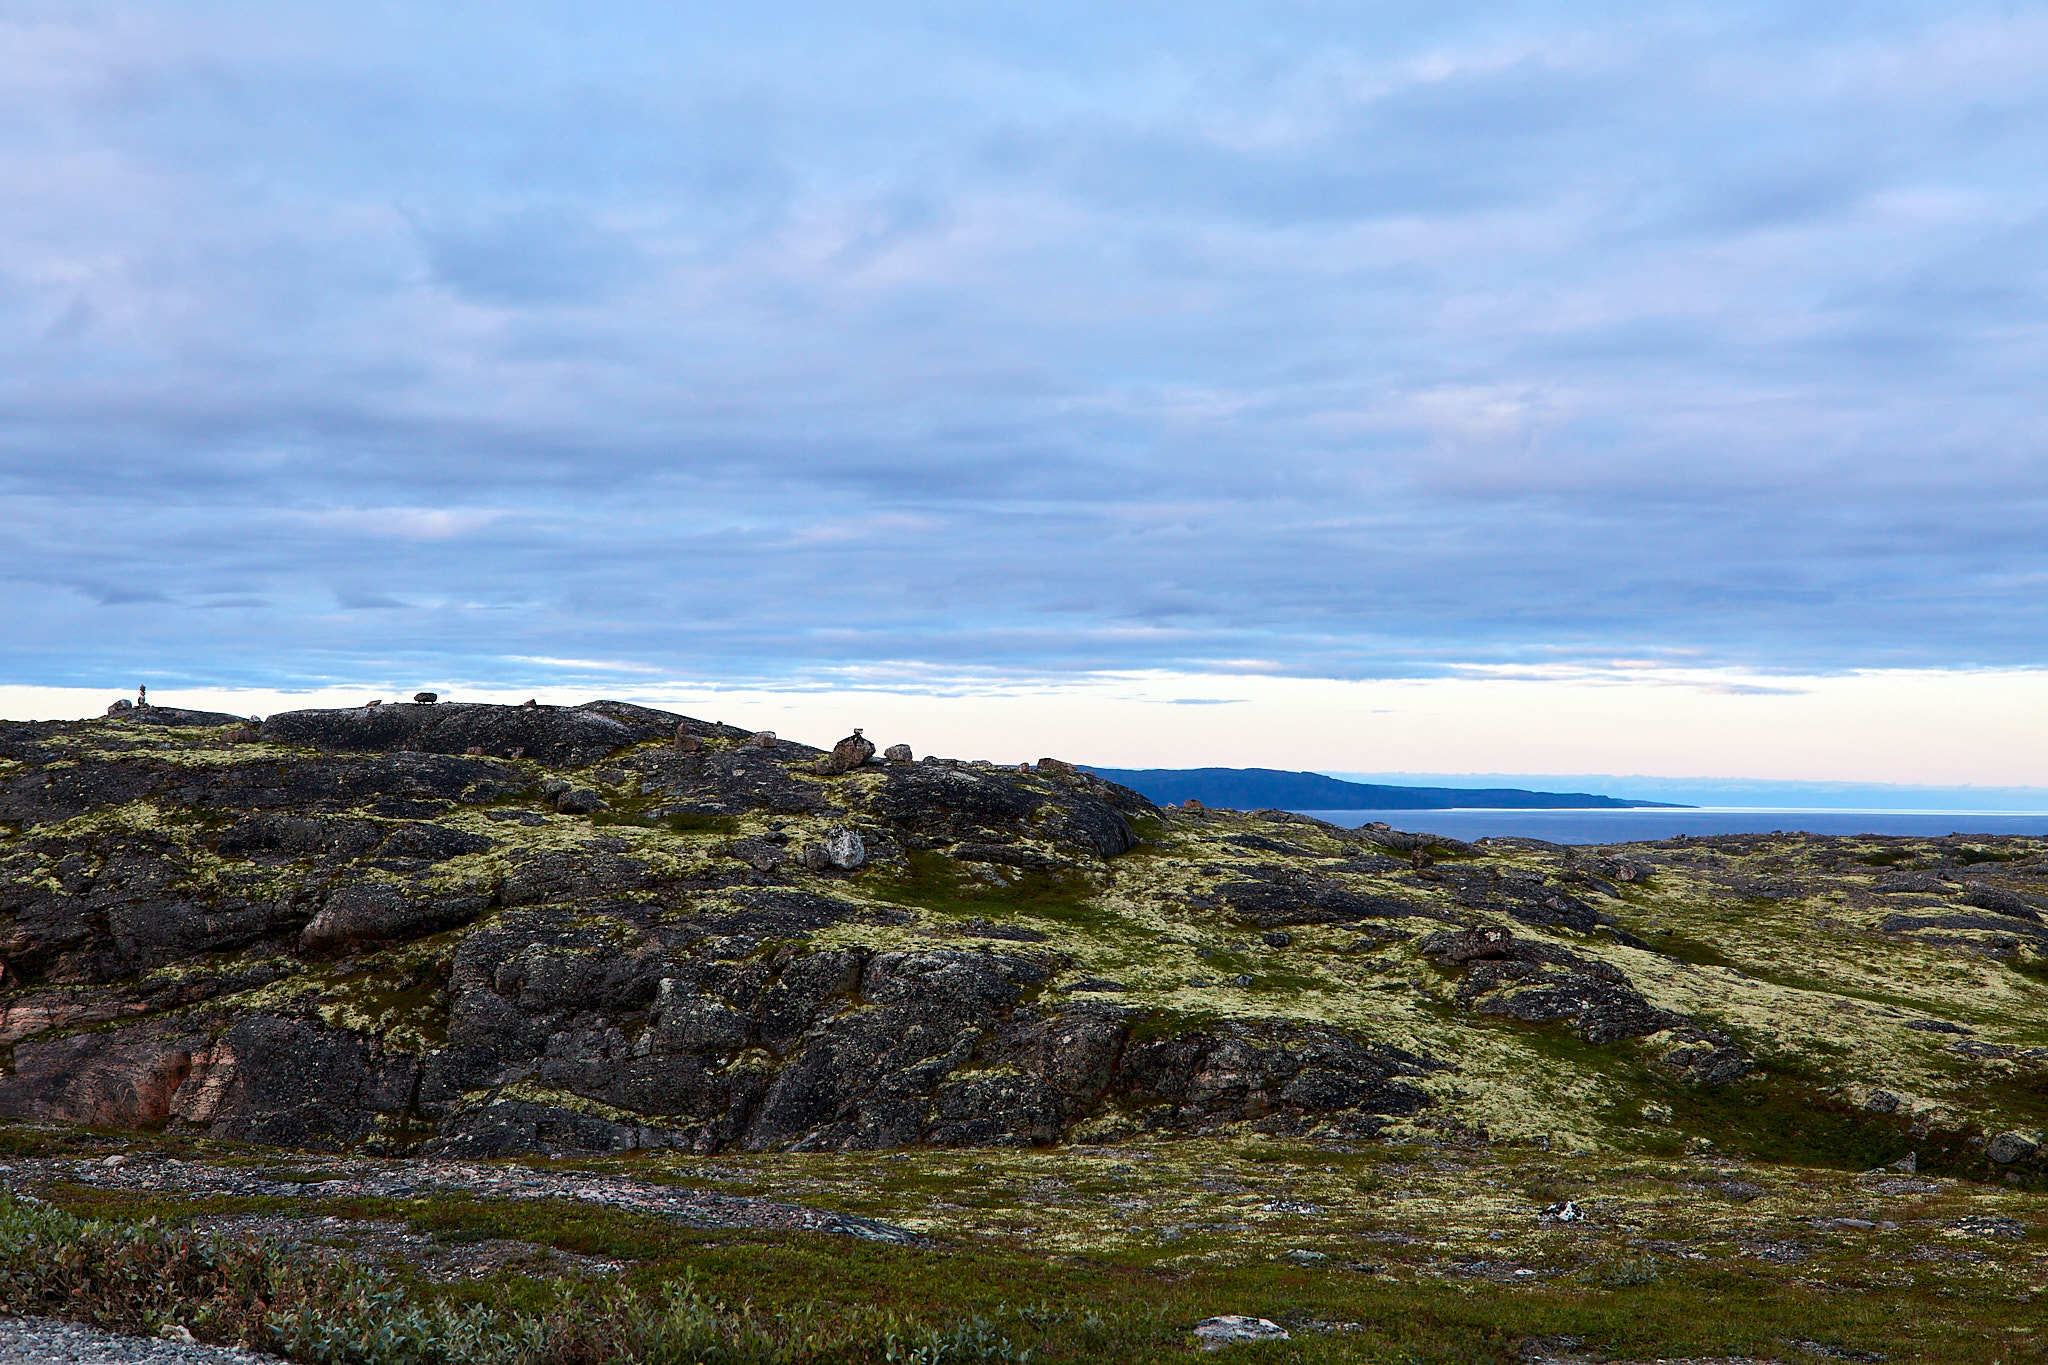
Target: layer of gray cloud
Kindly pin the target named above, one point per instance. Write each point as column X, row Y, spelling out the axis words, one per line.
column 1335, row 339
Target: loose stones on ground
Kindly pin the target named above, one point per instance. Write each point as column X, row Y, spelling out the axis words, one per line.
column 405, row 1178
column 1232, row 1328
column 44, row 1341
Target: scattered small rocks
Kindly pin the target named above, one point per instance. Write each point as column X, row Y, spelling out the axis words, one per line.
column 408, row 1177
column 1776, row 1252
column 1737, row 1191
column 1232, row 1328
column 1991, row 1225
column 44, row 1341
column 1827, row 1352
column 1710, row 1066
column 392, row 1243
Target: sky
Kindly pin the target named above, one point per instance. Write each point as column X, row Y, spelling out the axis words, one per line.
column 1640, row 388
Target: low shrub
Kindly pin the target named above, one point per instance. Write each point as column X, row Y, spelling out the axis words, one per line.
column 145, row 1276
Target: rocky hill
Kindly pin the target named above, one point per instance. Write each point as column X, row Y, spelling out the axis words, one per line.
column 456, row 930
column 1250, row 788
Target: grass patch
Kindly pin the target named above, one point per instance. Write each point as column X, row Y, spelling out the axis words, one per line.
column 794, row 1299
column 936, row 883
column 1692, row 951
column 2033, row 968
column 1889, row 857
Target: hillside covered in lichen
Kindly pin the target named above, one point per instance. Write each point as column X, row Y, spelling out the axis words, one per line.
column 480, row 930
column 549, row 1036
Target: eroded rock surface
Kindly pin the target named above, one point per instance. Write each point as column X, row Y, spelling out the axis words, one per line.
column 463, row 930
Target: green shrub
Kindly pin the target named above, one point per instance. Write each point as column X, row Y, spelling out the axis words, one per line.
column 144, row 1276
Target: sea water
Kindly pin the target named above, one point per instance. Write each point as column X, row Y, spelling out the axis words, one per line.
column 1631, row 826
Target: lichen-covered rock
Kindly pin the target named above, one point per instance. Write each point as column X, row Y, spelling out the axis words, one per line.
column 564, row 736
column 2008, row 1148
column 484, row 930
column 1540, row 982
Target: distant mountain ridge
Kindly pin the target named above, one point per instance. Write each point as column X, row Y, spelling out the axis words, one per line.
column 1273, row 788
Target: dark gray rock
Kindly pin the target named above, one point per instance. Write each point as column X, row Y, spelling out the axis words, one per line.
column 1711, row 1066
column 2010, row 1148
column 1284, row 896
column 562, row 736
column 369, row 912
column 580, row 801
column 174, row 716
column 2000, row 901
column 1540, row 982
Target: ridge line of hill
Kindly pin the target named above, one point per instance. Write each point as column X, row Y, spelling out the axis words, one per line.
column 1263, row 788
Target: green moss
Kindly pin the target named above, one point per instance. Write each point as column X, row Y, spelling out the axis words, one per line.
column 1888, row 857
column 693, row 822
column 936, row 883
column 1690, row 950
column 1150, row 829
column 1970, row 856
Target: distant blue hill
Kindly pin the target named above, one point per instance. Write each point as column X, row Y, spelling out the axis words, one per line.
column 1270, row 788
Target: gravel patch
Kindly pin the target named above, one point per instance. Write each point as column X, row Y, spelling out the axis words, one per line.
column 379, row 1242
column 46, row 1341
column 405, row 1178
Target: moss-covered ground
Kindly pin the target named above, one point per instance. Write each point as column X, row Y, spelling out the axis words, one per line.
column 1387, row 1252
column 1891, row 1020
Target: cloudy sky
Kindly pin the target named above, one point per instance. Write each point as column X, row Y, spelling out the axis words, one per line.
column 1305, row 357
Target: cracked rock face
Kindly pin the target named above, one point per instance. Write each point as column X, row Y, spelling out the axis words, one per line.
column 378, row 928
column 482, row 930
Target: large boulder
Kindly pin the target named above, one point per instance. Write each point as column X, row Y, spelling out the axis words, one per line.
column 560, row 736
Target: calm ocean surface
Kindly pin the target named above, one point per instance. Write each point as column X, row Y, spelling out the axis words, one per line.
column 1629, row 826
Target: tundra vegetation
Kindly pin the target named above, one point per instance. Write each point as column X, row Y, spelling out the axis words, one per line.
column 439, row 1032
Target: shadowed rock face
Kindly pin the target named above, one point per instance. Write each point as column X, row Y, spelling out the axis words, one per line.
column 559, row 736
column 488, row 929
column 390, row 926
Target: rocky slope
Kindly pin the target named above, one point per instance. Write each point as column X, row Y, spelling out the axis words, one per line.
column 461, row 930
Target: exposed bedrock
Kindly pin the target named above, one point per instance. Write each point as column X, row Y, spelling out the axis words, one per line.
column 486, row 929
